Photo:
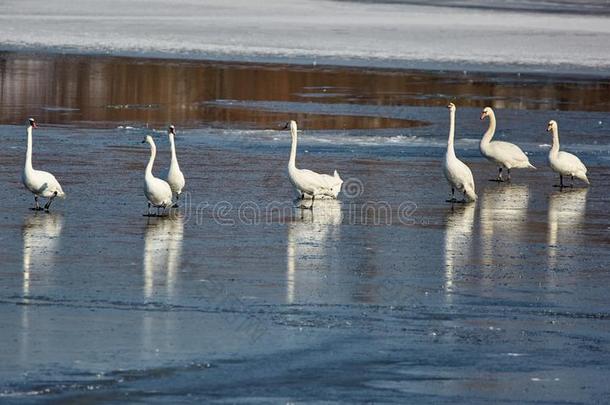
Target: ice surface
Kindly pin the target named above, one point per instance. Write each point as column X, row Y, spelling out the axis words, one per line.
column 307, row 31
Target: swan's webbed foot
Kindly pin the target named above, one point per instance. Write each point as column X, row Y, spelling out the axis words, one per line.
column 498, row 179
column 452, row 200
column 36, row 209
column 175, row 205
column 36, row 205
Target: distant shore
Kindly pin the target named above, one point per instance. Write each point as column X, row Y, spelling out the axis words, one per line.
column 567, row 39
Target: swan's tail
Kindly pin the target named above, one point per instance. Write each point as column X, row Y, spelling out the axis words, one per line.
column 336, row 188
column 531, row 166
column 472, row 196
column 583, row 177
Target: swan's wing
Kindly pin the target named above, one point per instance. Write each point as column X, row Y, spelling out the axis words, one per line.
column 509, row 154
column 48, row 184
column 571, row 162
column 158, row 191
column 509, row 150
column 310, row 180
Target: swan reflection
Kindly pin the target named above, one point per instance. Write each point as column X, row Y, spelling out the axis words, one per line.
column 566, row 214
column 310, row 239
column 458, row 241
column 41, row 234
column 41, row 238
column 503, row 220
column 162, row 254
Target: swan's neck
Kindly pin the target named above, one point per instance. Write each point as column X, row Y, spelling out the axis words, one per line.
column 555, row 148
column 149, row 166
column 173, row 149
column 490, row 131
column 450, row 149
column 28, row 152
column 293, row 150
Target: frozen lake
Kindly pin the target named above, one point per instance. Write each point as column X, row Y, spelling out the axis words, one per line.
column 243, row 298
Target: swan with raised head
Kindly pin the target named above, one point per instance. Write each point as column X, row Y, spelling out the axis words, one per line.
column 41, row 184
column 564, row 163
column 456, row 172
column 307, row 182
column 503, row 154
column 157, row 191
column 174, row 177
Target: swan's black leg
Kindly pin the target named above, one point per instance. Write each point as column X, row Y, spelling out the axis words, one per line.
column 148, row 209
column 508, row 178
column 48, row 204
column 452, row 200
column 313, row 198
column 177, row 199
column 499, row 178
column 561, row 180
column 36, row 204
column 572, row 181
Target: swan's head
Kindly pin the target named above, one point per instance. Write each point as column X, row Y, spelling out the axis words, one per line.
column 32, row 123
column 148, row 139
column 292, row 124
column 487, row 111
column 552, row 126
column 171, row 130
column 451, row 107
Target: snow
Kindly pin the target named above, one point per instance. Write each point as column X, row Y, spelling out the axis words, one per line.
column 305, row 31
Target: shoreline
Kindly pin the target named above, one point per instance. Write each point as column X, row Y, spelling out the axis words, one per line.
column 558, row 72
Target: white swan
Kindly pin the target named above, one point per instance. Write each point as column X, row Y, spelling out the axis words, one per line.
column 307, row 182
column 564, row 163
column 503, row 154
column 157, row 191
column 456, row 172
column 41, row 184
column 174, row 177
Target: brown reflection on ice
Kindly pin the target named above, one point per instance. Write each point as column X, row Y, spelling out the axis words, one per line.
column 41, row 236
column 458, row 242
column 311, row 240
column 162, row 255
column 503, row 220
column 104, row 91
column 566, row 214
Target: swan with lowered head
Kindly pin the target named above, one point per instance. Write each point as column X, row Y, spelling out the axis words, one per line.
column 174, row 177
column 41, row 184
column 307, row 182
column 157, row 191
column 456, row 172
column 564, row 163
column 504, row 154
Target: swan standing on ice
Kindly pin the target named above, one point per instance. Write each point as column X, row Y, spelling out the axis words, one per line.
column 308, row 182
column 174, row 177
column 157, row 191
column 564, row 163
column 504, row 154
column 456, row 172
column 41, row 184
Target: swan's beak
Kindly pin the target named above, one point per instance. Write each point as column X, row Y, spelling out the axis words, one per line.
column 483, row 116
column 548, row 128
column 143, row 141
column 34, row 125
column 286, row 126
